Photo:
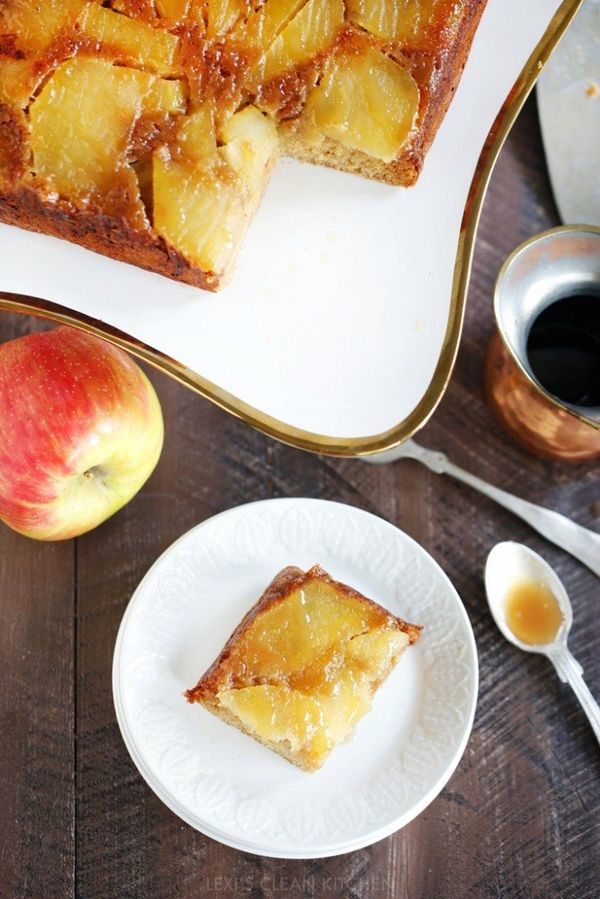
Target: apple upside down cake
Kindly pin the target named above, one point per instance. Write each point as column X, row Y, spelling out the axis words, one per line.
column 146, row 129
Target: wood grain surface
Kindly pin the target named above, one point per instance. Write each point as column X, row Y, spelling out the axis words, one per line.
column 521, row 815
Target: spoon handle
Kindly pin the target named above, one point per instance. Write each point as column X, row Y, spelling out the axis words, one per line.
column 570, row 671
column 580, row 542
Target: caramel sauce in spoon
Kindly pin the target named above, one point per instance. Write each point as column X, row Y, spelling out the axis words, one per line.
column 532, row 613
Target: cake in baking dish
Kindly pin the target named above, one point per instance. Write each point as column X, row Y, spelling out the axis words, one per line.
column 146, row 129
column 301, row 668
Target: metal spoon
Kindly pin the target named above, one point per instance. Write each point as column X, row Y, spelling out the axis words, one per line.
column 580, row 542
column 510, row 563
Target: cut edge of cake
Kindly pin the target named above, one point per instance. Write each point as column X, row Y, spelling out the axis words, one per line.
column 405, row 169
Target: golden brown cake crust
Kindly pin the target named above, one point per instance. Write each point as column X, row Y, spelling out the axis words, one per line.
column 101, row 233
column 282, row 585
column 448, row 64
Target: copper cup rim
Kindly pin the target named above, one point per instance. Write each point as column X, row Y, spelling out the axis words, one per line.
column 524, row 247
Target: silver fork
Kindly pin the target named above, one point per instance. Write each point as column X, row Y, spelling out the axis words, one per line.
column 580, row 542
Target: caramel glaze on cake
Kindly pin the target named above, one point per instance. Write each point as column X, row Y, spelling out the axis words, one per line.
column 207, row 93
column 302, row 666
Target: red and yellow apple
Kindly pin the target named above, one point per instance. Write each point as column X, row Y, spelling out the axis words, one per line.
column 81, row 430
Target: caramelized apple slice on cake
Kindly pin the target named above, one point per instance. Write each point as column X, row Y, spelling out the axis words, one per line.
column 206, row 194
column 311, row 31
column 364, row 101
column 130, row 41
column 407, row 22
column 302, row 667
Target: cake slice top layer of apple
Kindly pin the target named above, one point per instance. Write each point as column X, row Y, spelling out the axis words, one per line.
column 303, row 665
column 164, row 115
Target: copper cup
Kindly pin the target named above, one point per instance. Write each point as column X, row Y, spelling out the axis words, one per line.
column 555, row 264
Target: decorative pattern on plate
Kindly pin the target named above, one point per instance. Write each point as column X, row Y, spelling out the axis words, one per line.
column 226, row 785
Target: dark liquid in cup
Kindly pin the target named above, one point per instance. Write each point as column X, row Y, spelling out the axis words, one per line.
column 563, row 349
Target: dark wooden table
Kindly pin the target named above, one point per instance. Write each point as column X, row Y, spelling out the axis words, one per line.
column 521, row 815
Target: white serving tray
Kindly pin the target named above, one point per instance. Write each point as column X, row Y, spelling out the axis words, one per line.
column 340, row 328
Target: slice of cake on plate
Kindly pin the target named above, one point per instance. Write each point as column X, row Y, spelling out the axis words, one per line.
column 301, row 668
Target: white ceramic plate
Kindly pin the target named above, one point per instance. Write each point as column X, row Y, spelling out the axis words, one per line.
column 225, row 784
column 339, row 329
